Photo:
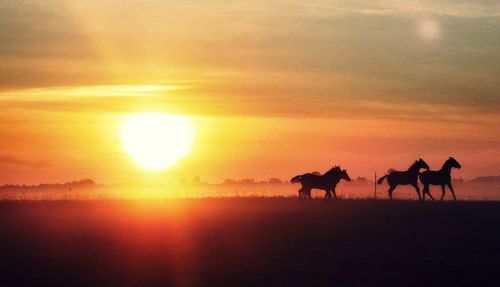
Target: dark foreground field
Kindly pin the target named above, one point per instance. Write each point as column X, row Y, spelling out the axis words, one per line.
column 256, row 242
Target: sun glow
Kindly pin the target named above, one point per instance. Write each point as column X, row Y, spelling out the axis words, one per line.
column 157, row 141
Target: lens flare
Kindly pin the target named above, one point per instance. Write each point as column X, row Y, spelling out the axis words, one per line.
column 429, row 29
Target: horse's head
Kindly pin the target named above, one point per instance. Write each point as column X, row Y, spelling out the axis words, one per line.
column 338, row 173
column 422, row 164
column 453, row 163
column 344, row 175
column 332, row 171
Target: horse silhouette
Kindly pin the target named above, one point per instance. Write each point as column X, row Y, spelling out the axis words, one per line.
column 410, row 176
column 327, row 182
column 440, row 177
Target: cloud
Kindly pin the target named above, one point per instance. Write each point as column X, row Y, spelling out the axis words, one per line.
column 72, row 93
column 82, row 101
column 21, row 162
column 399, row 8
column 295, row 52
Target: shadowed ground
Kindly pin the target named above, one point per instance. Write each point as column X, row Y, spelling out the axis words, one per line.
column 256, row 242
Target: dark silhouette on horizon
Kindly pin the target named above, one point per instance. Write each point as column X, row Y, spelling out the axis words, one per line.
column 327, row 182
column 440, row 177
column 410, row 176
column 86, row 182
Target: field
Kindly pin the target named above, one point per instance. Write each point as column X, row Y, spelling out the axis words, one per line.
column 249, row 242
column 475, row 191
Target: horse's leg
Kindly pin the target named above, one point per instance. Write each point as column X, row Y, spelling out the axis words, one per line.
column 308, row 193
column 443, row 191
column 452, row 191
column 417, row 189
column 426, row 190
column 301, row 192
column 391, row 189
column 423, row 194
column 328, row 194
column 334, row 194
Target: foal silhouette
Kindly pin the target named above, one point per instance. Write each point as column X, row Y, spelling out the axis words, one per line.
column 327, row 182
column 440, row 177
column 410, row 176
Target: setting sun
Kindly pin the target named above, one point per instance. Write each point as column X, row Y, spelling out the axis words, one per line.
column 157, row 141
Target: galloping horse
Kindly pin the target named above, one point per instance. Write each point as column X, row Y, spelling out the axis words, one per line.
column 326, row 182
column 440, row 177
column 410, row 176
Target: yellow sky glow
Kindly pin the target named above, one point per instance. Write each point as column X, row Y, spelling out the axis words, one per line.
column 273, row 89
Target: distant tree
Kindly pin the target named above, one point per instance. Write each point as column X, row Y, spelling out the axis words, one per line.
column 247, row 181
column 486, row 179
column 196, row 180
column 361, row 179
column 229, row 181
column 274, row 180
column 83, row 182
column 86, row 182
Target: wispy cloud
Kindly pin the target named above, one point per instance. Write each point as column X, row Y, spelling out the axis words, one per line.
column 275, row 58
column 71, row 93
column 403, row 8
column 5, row 159
column 133, row 99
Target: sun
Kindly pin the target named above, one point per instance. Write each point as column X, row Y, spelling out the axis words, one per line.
column 157, row 141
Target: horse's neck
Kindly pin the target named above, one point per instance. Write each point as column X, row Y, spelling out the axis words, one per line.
column 414, row 168
column 334, row 182
column 333, row 178
column 446, row 169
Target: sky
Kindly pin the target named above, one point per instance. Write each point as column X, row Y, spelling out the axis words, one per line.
column 274, row 88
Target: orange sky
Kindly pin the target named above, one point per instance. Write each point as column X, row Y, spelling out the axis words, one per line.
column 273, row 89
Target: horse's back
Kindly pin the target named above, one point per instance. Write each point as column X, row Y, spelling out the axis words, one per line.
column 433, row 177
column 309, row 178
column 401, row 177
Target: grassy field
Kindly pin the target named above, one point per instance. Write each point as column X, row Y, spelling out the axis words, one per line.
column 475, row 191
column 249, row 242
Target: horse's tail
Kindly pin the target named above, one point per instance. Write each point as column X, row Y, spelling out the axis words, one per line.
column 380, row 180
column 296, row 179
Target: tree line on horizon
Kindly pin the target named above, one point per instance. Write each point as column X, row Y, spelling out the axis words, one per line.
column 86, row 182
column 89, row 183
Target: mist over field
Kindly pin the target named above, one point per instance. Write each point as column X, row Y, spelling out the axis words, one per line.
column 480, row 188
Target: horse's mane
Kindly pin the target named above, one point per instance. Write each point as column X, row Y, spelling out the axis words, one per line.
column 413, row 165
column 332, row 170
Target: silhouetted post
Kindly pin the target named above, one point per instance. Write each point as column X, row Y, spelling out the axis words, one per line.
column 375, row 184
